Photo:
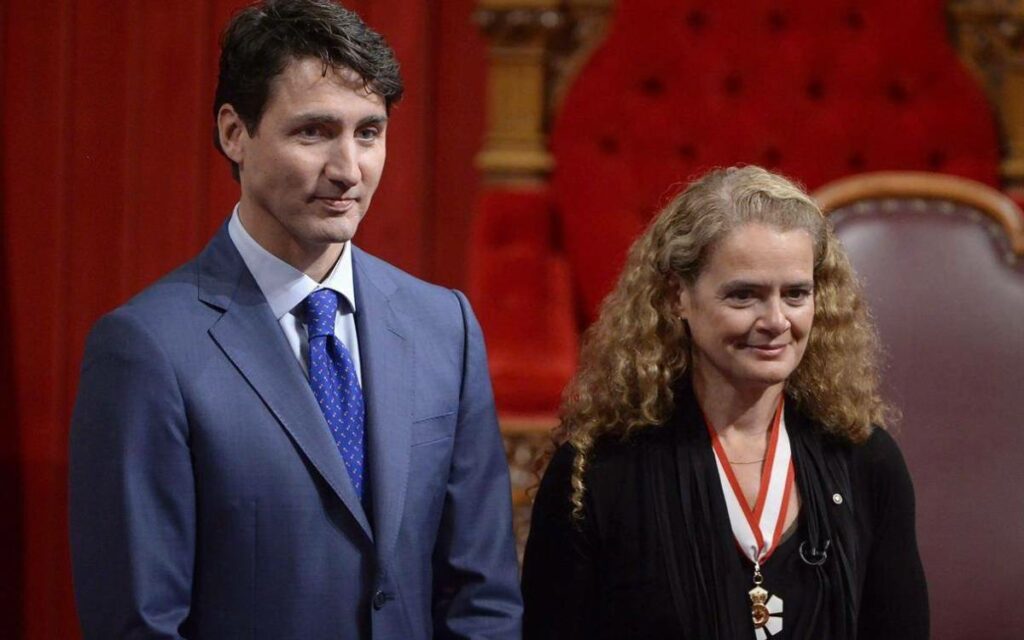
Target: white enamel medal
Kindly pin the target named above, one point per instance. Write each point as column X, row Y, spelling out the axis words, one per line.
column 765, row 609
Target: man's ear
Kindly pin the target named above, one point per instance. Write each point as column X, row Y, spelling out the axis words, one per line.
column 233, row 134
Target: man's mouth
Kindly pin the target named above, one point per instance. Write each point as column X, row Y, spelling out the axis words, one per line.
column 340, row 204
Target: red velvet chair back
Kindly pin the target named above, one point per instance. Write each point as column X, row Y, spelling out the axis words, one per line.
column 947, row 291
column 815, row 89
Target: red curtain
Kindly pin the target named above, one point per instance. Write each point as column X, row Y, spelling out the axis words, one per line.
column 109, row 179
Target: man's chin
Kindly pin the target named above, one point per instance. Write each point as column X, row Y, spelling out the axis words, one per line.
column 337, row 231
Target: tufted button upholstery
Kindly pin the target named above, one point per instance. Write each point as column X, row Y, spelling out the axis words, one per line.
column 523, row 298
column 816, row 90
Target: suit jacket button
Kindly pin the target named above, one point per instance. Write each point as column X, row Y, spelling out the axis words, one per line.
column 378, row 600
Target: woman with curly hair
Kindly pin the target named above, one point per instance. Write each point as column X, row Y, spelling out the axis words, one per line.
column 723, row 473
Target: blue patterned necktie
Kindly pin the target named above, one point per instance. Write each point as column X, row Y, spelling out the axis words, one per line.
column 332, row 375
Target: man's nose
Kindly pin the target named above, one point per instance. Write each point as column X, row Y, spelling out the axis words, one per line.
column 343, row 163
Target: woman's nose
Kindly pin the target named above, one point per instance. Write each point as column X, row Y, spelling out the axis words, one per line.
column 774, row 319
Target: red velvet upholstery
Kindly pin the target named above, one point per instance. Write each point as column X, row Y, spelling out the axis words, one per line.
column 816, row 89
column 950, row 309
column 520, row 290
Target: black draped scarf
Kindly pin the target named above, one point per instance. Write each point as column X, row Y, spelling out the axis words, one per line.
column 708, row 579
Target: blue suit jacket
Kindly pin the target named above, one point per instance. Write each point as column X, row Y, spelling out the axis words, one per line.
column 208, row 499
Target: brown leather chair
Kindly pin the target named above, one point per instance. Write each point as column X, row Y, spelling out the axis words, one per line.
column 940, row 258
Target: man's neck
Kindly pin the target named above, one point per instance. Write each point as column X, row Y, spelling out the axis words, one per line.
column 316, row 261
column 315, row 265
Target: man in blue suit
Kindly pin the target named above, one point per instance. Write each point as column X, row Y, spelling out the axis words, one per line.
column 287, row 437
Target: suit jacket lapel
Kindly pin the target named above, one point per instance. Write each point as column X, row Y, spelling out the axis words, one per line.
column 250, row 336
column 386, row 357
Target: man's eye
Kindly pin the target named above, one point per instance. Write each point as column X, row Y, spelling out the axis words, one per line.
column 741, row 295
column 798, row 294
column 311, row 132
column 368, row 133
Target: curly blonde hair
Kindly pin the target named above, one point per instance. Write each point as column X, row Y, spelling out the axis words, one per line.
column 638, row 348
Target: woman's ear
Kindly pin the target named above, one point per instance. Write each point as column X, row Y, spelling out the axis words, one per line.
column 683, row 301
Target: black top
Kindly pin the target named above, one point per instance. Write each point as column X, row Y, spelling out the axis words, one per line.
column 618, row 574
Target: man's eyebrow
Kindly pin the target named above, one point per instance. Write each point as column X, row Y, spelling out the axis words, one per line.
column 333, row 120
column 315, row 118
column 376, row 119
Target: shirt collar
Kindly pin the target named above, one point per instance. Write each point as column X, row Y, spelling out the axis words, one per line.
column 283, row 285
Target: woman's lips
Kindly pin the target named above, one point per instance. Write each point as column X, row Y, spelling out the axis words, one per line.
column 767, row 349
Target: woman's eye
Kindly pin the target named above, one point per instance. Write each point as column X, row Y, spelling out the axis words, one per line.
column 741, row 295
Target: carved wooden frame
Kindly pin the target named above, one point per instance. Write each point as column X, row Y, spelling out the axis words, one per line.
column 536, row 49
column 930, row 186
column 989, row 35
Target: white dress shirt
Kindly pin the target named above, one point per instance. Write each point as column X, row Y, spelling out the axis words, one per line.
column 285, row 287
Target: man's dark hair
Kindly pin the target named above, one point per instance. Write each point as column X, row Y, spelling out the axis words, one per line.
column 262, row 39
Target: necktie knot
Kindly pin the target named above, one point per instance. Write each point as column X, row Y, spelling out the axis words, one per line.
column 321, row 309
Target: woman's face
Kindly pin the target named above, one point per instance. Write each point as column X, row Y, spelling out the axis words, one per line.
column 750, row 312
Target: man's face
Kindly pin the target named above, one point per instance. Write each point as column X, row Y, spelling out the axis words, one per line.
column 310, row 169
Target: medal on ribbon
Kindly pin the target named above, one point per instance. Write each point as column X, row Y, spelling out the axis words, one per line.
column 758, row 530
